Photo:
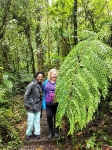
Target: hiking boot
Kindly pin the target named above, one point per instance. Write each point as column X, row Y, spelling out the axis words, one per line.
column 56, row 134
column 37, row 137
column 50, row 134
column 28, row 137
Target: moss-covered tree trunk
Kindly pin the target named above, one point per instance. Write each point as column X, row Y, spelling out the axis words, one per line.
column 4, row 18
column 40, row 54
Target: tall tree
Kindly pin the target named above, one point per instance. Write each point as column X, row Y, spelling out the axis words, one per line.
column 5, row 5
column 22, row 21
column 39, row 47
column 48, row 35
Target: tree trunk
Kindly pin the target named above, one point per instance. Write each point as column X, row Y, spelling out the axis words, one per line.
column 27, row 63
column 88, row 15
column 40, row 54
column 28, row 36
column 22, row 21
column 75, row 22
column 110, row 38
column 4, row 19
column 64, row 45
column 5, row 51
column 48, row 38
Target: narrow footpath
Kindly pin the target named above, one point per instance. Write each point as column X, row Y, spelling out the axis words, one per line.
column 43, row 143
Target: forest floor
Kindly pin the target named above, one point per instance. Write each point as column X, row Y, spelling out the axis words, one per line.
column 43, row 143
column 97, row 133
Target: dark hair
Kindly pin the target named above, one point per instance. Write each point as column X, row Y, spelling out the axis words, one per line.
column 38, row 74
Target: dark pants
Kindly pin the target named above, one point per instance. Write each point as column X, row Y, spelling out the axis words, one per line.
column 51, row 114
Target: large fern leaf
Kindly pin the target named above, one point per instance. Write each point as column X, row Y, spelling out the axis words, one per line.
column 82, row 78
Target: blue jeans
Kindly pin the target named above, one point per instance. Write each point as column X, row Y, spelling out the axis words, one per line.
column 33, row 121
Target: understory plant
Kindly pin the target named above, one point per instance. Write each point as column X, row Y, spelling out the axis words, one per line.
column 83, row 79
column 9, row 135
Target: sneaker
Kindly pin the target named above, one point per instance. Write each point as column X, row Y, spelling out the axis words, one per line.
column 56, row 134
column 28, row 137
column 37, row 137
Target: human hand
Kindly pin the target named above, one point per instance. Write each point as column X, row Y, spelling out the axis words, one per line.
column 44, row 113
column 28, row 107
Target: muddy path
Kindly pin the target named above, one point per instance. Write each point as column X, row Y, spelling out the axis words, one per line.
column 43, row 143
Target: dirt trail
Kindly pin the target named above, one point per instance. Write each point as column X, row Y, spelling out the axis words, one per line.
column 43, row 143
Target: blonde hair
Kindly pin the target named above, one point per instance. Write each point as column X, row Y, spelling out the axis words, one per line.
column 50, row 72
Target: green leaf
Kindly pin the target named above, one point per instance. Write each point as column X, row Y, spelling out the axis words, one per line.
column 83, row 78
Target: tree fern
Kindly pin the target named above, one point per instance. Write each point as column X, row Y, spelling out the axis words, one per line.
column 82, row 79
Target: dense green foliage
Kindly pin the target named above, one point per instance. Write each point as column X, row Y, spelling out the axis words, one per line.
column 83, row 78
column 11, row 112
column 36, row 35
column 9, row 135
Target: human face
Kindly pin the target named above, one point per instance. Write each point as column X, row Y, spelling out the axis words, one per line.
column 53, row 76
column 39, row 78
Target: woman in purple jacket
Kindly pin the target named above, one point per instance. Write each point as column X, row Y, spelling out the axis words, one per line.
column 48, row 102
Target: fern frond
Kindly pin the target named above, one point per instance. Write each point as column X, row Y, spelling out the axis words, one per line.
column 82, row 79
